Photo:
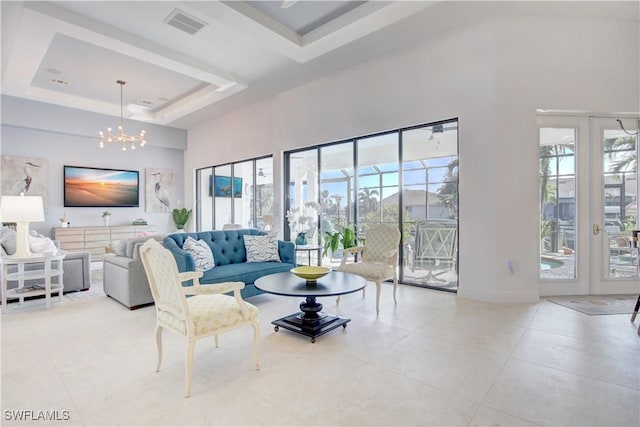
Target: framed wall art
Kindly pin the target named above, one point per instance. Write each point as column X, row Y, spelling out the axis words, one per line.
column 160, row 190
column 28, row 175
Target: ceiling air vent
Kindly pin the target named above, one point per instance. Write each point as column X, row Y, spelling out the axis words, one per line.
column 183, row 22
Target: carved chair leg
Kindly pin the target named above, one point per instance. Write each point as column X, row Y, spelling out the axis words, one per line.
column 338, row 300
column 159, row 345
column 216, row 340
column 378, row 286
column 395, row 287
column 256, row 336
column 188, row 365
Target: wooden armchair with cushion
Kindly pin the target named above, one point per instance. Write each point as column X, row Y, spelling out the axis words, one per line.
column 207, row 312
column 377, row 259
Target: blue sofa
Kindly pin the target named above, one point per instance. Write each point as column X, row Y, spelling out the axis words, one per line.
column 230, row 256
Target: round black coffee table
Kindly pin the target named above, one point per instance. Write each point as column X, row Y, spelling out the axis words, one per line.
column 311, row 321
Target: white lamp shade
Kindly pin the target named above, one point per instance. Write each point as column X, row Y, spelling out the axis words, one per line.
column 22, row 209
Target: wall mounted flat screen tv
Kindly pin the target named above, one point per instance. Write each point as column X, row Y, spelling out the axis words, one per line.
column 97, row 187
column 222, row 186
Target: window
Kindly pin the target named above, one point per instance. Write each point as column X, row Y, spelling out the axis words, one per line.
column 235, row 193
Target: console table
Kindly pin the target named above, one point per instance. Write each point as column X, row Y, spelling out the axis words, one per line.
column 96, row 239
column 13, row 271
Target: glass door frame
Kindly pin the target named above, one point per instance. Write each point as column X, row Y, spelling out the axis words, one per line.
column 579, row 284
column 601, row 282
column 589, row 278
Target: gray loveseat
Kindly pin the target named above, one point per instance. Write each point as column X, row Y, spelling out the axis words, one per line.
column 124, row 278
column 230, row 257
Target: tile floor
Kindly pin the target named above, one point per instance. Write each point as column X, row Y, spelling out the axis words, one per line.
column 434, row 359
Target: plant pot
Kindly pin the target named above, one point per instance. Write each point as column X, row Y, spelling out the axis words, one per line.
column 301, row 239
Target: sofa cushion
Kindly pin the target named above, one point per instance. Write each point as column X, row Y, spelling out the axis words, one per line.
column 261, row 248
column 8, row 240
column 119, row 247
column 131, row 243
column 201, row 253
column 247, row 272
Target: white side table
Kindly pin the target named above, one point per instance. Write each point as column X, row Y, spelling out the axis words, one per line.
column 308, row 249
column 51, row 267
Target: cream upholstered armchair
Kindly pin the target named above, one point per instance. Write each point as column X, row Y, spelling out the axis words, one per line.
column 205, row 313
column 378, row 259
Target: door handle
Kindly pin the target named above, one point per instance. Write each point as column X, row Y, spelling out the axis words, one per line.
column 596, row 229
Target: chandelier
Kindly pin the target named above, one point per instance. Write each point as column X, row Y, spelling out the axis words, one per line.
column 120, row 137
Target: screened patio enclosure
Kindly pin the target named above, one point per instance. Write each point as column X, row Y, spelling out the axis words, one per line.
column 405, row 178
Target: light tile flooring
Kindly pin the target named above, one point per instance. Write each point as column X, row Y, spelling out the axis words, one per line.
column 434, row 359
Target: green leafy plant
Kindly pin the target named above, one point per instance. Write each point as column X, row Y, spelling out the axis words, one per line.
column 345, row 237
column 181, row 217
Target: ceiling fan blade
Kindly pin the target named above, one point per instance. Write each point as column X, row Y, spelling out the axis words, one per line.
column 287, row 3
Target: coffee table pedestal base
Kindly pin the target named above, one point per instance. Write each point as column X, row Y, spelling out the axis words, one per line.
column 311, row 321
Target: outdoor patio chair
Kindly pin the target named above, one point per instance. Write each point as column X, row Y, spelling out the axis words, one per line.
column 205, row 313
column 435, row 244
column 377, row 259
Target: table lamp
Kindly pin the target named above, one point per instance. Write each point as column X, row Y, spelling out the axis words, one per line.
column 22, row 210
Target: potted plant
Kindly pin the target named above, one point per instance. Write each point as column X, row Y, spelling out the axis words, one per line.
column 105, row 217
column 181, row 217
column 345, row 237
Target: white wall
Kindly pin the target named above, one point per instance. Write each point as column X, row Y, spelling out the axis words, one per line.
column 492, row 76
column 65, row 136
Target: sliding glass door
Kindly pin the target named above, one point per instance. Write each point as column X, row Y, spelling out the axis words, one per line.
column 430, row 205
column 407, row 178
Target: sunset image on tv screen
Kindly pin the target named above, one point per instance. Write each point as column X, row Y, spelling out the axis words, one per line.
column 99, row 187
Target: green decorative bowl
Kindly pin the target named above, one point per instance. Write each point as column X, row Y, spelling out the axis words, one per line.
column 310, row 273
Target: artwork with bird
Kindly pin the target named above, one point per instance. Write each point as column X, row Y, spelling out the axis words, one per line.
column 25, row 175
column 160, row 190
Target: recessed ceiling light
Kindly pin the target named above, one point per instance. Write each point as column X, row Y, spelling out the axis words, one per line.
column 147, row 102
column 53, row 71
column 59, row 81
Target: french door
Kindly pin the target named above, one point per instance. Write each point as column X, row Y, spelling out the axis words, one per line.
column 588, row 196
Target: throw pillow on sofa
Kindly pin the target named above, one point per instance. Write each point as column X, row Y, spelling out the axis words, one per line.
column 201, row 253
column 8, row 240
column 40, row 244
column 119, row 247
column 261, row 248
